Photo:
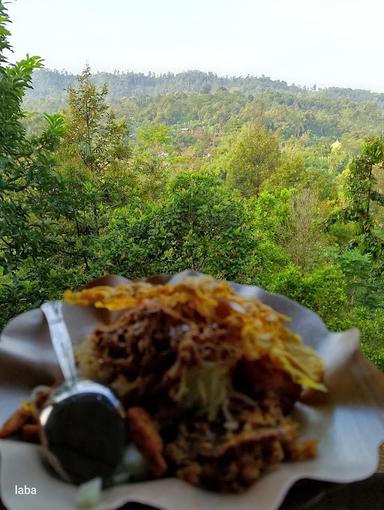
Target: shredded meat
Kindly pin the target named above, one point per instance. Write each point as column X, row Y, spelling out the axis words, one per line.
column 203, row 375
column 208, row 455
column 152, row 354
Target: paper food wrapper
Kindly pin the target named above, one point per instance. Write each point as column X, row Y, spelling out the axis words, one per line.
column 349, row 424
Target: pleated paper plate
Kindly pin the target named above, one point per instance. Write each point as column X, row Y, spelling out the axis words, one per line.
column 349, row 424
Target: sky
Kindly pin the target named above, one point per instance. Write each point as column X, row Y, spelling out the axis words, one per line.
column 307, row 42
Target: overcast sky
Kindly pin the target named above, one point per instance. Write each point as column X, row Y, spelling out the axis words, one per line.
column 327, row 42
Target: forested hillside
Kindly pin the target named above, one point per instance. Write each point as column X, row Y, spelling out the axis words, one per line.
column 205, row 100
column 55, row 83
column 247, row 179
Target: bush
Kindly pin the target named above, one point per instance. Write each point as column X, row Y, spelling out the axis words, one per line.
column 201, row 225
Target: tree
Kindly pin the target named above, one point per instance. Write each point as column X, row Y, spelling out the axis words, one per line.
column 27, row 175
column 247, row 158
column 200, row 224
column 153, row 158
column 322, row 289
column 305, row 237
column 293, row 220
column 291, row 172
column 93, row 132
column 14, row 80
column 362, row 194
column 93, row 155
column 25, row 163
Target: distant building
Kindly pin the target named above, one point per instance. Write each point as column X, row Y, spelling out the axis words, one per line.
column 335, row 146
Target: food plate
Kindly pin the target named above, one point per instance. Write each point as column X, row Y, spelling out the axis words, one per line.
column 349, row 422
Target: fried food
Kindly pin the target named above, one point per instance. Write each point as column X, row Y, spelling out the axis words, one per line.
column 208, row 378
column 17, row 421
column 30, row 433
column 144, row 434
column 24, row 421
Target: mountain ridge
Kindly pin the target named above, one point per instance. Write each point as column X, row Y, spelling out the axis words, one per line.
column 54, row 83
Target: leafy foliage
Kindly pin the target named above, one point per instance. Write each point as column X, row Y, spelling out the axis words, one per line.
column 247, row 179
column 200, row 224
column 24, row 164
column 93, row 133
column 247, row 158
column 363, row 195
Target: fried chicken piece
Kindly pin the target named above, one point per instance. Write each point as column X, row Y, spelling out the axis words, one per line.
column 16, row 421
column 144, row 434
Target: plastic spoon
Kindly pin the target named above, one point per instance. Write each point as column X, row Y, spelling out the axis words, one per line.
column 82, row 424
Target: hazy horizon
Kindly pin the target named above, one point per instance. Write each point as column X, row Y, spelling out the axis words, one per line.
column 229, row 76
column 333, row 43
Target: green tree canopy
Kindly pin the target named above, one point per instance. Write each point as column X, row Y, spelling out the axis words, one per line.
column 25, row 163
column 247, row 158
column 94, row 134
column 362, row 194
